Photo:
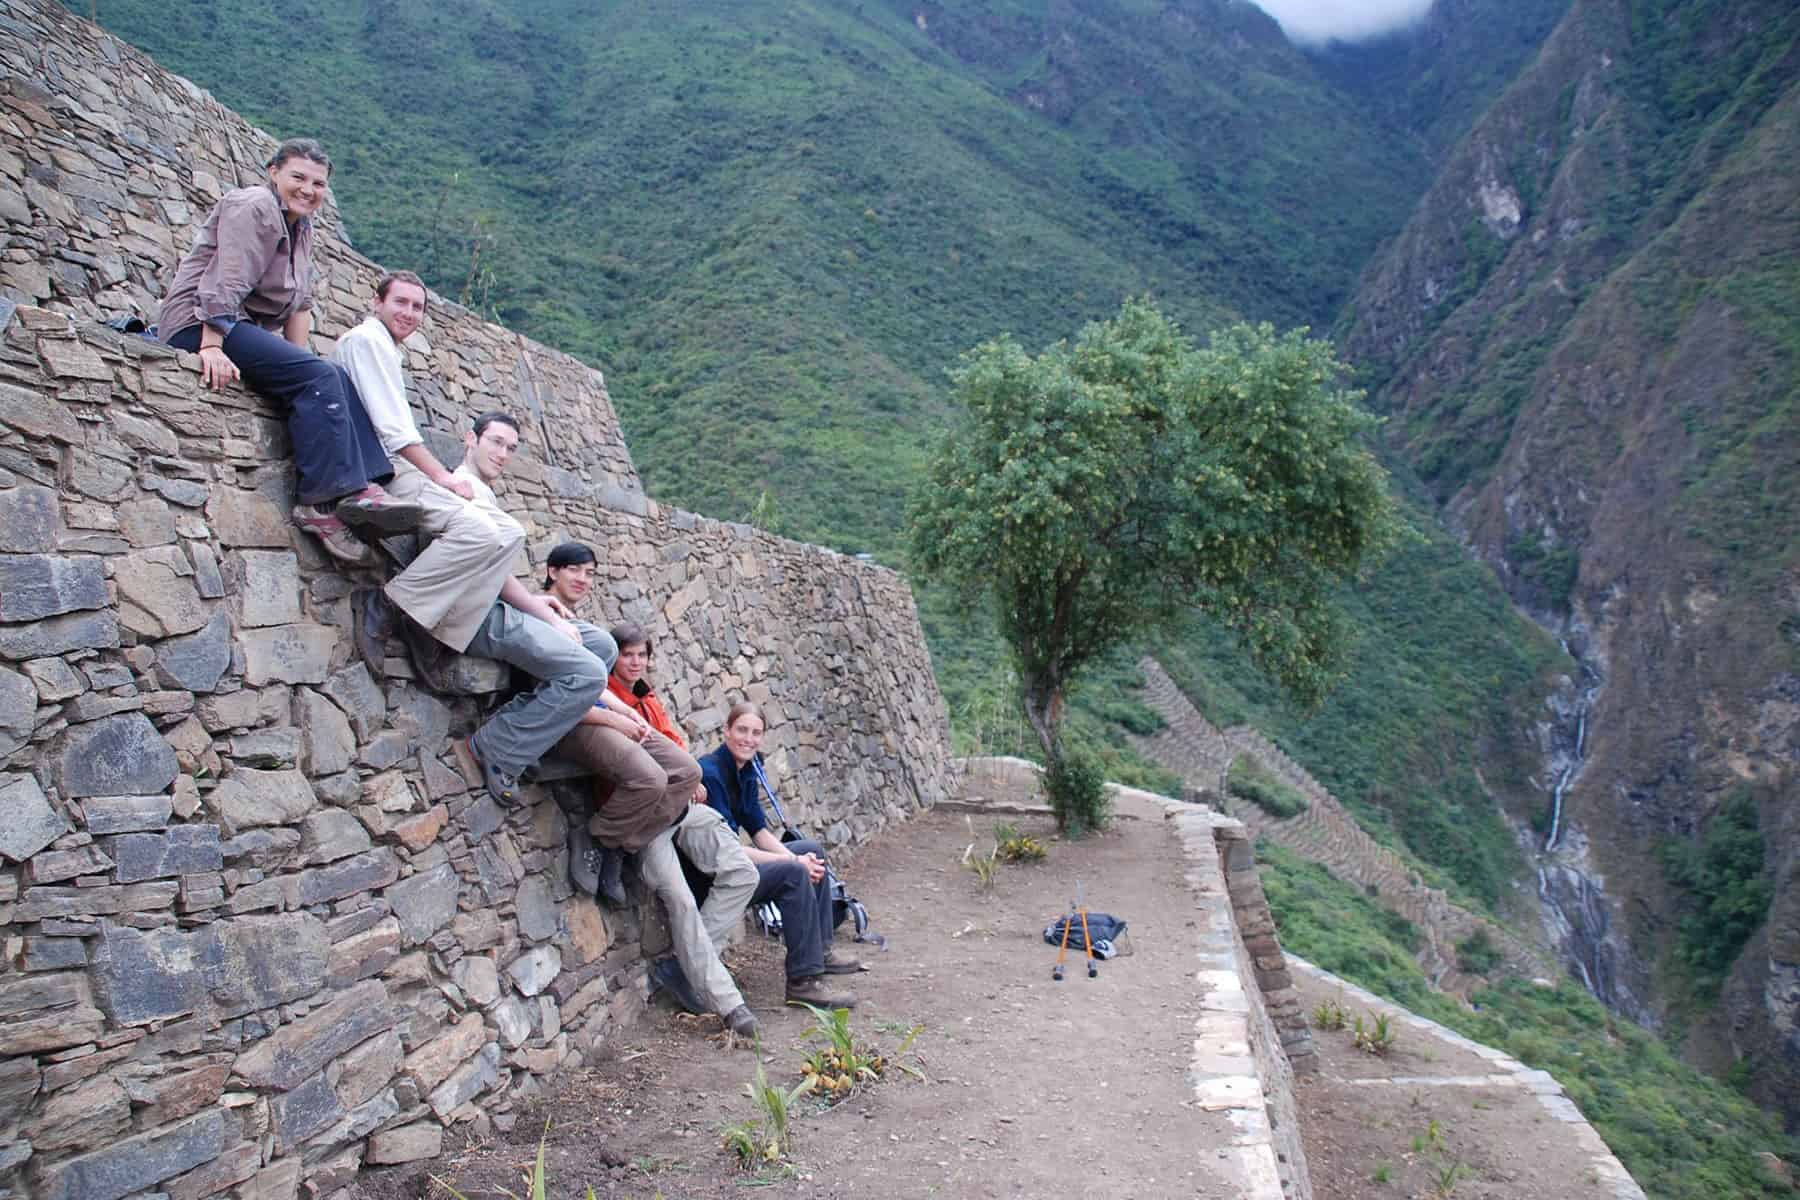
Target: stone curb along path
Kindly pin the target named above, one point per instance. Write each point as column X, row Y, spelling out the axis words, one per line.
column 1508, row 1072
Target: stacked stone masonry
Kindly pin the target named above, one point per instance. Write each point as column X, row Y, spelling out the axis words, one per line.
column 258, row 930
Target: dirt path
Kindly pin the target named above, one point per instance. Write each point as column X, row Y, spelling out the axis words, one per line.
column 1438, row 1117
column 1033, row 1088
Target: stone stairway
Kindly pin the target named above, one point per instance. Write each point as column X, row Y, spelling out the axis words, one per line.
column 1325, row 833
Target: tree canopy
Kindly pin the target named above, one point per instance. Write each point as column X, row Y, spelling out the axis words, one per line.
column 1098, row 489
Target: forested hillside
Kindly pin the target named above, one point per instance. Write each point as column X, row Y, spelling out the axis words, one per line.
column 1588, row 342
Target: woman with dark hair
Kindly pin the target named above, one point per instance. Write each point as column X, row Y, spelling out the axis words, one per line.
column 242, row 300
column 791, row 874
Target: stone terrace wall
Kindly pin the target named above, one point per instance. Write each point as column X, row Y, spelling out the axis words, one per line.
column 257, row 929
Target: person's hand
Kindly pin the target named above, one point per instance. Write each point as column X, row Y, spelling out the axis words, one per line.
column 559, row 608
column 567, row 630
column 815, row 866
column 699, row 796
column 216, row 370
column 461, row 487
column 640, row 728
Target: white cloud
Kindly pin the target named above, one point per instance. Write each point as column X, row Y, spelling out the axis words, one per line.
column 1315, row 21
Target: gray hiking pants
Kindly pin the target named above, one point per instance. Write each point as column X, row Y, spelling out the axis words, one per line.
column 701, row 932
column 570, row 678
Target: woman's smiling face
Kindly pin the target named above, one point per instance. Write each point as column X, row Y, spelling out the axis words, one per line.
column 300, row 183
column 744, row 737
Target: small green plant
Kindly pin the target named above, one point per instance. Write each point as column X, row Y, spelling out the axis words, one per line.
column 1445, row 1176
column 840, row 1065
column 1330, row 1015
column 1384, row 1172
column 1376, row 1037
column 536, row 1182
column 1075, row 784
column 984, row 866
column 763, row 1139
column 1012, row 846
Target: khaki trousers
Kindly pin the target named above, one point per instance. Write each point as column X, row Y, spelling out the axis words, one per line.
column 455, row 580
column 700, row 933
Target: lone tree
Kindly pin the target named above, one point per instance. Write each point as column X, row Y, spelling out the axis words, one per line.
column 1099, row 490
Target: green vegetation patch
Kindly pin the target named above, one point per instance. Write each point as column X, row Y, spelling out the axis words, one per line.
column 1248, row 779
column 1724, row 890
column 1682, row 1135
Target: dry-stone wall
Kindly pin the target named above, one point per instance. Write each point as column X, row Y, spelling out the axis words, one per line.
column 258, row 931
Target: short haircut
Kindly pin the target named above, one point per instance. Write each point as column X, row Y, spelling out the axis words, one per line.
column 632, row 635
column 392, row 277
column 305, row 148
column 489, row 418
column 743, row 708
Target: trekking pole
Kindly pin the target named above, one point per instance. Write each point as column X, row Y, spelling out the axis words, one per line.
column 1086, row 937
column 1056, row 972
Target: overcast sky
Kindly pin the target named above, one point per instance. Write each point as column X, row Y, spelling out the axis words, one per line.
column 1347, row 20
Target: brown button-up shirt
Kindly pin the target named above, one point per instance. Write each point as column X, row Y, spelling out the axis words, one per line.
column 246, row 265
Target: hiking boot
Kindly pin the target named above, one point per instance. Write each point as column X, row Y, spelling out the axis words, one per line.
column 503, row 787
column 338, row 541
column 813, row 990
column 840, row 964
column 584, row 860
column 666, row 973
column 372, row 508
column 430, row 657
column 375, row 616
column 743, row 1022
column 612, row 877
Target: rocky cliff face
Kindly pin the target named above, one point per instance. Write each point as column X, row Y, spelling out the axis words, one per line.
column 1586, row 340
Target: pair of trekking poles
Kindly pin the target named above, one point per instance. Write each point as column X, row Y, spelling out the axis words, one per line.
column 1076, row 909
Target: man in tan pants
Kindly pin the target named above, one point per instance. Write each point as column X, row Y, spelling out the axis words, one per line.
column 449, row 588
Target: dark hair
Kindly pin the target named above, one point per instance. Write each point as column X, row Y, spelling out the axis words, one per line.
column 489, row 418
column 632, row 635
column 568, row 554
column 392, row 277
column 305, row 148
column 744, row 708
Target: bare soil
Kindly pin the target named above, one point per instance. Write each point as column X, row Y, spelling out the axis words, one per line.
column 1031, row 1087
column 1411, row 1125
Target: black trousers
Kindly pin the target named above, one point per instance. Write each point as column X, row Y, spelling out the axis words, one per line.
column 336, row 450
column 805, row 906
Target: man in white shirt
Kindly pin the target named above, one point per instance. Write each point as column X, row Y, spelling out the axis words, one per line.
column 453, row 582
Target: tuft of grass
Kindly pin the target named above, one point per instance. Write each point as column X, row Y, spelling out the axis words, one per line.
column 763, row 1140
column 1330, row 1015
column 1014, row 847
column 1376, row 1037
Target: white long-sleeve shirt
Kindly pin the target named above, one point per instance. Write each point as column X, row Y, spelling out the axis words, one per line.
column 377, row 366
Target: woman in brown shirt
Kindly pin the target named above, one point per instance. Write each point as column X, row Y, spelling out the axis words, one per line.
column 242, row 300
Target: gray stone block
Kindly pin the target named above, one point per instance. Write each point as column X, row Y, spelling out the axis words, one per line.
column 331, row 834
column 148, row 975
column 28, row 821
column 467, row 675
column 29, row 519
column 408, row 1143
column 183, row 850
column 126, row 814
column 138, row 1162
column 537, row 909
column 354, row 691
column 295, row 1051
column 421, row 716
column 196, row 661
column 157, row 596
column 304, row 1111
column 467, row 1081
column 178, row 491
column 326, row 743
column 246, row 798
column 533, row 970
column 268, row 587
column 242, row 518
column 59, row 635
column 116, row 755
column 265, row 961
column 384, row 750
column 299, row 653
column 35, row 586
column 265, row 748
column 425, row 902
column 365, row 872
column 54, row 953
column 55, row 679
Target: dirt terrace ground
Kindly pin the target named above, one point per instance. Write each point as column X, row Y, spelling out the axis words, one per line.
column 1032, row 1088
